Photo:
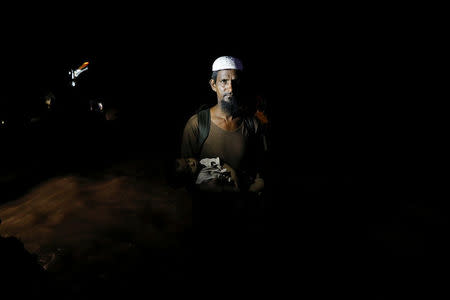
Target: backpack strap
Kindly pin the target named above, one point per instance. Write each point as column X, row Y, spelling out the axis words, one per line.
column 204, row 122
column 250, row 125
column 256, row 131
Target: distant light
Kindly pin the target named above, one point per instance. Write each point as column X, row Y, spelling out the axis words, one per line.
column 84, row 65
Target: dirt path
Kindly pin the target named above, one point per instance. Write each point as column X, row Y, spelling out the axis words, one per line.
column 103, row 226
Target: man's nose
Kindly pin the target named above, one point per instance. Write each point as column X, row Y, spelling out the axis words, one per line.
column 231, row 86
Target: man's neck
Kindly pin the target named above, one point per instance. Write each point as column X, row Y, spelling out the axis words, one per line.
column 218, row 112
column 223, row 119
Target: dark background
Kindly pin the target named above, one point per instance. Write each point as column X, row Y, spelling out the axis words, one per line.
column 335, row 82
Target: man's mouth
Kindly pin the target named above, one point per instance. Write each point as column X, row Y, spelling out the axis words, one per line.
column 228, row 96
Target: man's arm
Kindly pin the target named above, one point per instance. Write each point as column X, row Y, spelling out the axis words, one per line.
column 189, row 138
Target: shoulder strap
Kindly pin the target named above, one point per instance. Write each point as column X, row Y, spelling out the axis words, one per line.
column 254, row 128
column 249, row 123
column 204, row 119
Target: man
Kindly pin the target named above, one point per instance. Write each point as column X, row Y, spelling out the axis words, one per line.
column 233, row 133
column 224, row 217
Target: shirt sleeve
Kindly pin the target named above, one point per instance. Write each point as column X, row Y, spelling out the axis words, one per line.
column 189, row 138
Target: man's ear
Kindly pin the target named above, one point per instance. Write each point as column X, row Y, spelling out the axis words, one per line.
column 212, row 83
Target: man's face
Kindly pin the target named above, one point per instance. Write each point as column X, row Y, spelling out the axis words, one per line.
column 227, row 87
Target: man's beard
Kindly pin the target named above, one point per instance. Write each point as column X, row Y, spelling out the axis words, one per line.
column 231, row 107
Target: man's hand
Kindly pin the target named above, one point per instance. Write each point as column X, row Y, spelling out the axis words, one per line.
column 227, row 183
column 257, row 186
column 233, row 175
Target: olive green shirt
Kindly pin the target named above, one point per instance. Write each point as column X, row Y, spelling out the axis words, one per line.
column 231, row 147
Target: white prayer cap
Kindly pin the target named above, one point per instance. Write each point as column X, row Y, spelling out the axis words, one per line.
column 227, row 62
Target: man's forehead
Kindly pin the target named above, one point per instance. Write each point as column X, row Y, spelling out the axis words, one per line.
column 227, row 73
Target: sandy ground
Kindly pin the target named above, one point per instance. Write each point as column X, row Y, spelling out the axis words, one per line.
column 105, row 226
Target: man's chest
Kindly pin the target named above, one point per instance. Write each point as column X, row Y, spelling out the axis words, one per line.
column 229, row 146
